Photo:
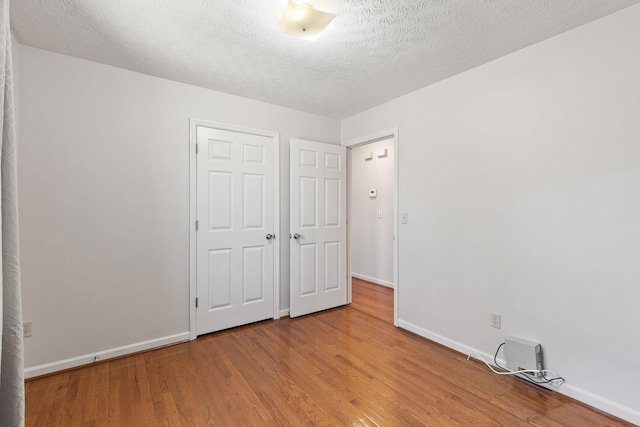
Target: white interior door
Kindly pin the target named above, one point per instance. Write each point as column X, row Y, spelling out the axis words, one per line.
column 318, row 226
column 234, row 238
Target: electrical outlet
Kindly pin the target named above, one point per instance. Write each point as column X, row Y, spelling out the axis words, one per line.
column 26, row 329
column 496, row 320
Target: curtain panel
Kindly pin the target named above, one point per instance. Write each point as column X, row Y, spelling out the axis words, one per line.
column 11, row 361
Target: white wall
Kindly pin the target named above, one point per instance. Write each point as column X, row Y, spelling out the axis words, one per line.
column 104, row 200
column 371, row 236
column 522, row 183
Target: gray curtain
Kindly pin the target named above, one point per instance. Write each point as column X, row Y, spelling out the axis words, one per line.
column 11, row 362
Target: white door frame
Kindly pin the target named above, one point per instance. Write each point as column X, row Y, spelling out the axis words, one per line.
column 193, row 125
column 378, row 136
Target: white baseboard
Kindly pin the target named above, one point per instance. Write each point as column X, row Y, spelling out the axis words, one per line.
column 284, row 312
column 629, row 414
column 373, row 280
column 604, row 404
column 86, row 359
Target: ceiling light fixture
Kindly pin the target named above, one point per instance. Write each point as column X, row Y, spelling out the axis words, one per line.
column 303, row 21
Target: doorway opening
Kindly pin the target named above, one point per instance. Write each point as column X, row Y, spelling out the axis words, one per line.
column 373, row 231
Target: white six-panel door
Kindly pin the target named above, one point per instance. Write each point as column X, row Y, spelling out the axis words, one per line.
column 234, row 240
column 318, row 226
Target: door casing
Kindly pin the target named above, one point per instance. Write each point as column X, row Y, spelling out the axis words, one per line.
column 193, row 125
column 378, row 136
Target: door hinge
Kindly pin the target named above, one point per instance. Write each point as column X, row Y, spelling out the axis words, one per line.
column 196, row 302
column 196, row 148
column 197, row 224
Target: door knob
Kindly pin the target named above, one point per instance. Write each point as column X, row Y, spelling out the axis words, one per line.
column 270, row 236
column 296, row 236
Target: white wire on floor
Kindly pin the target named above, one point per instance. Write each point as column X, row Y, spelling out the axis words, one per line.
column 556, row 377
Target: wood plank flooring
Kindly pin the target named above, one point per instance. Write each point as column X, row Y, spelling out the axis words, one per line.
column 335, row 368
column 372, row 299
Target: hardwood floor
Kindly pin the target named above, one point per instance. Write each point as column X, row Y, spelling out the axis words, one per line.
column 334, row 368
column 372, row 299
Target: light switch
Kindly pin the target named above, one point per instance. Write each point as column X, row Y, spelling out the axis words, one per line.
column 379, row 213
column 404, row 218
column 373, row 193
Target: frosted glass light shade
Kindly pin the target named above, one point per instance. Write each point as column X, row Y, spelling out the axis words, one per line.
column 303, row 21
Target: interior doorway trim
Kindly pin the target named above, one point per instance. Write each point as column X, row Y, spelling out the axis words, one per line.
column 378, row 136
column 193, row 125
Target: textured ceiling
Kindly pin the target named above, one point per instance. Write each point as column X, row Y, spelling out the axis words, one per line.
column 374, row 51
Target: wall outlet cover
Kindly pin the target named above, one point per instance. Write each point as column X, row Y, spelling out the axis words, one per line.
column 26, row 329
column 496, row 320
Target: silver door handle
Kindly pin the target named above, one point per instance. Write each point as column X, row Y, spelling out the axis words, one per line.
column 296, row 236
column 270, row 236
